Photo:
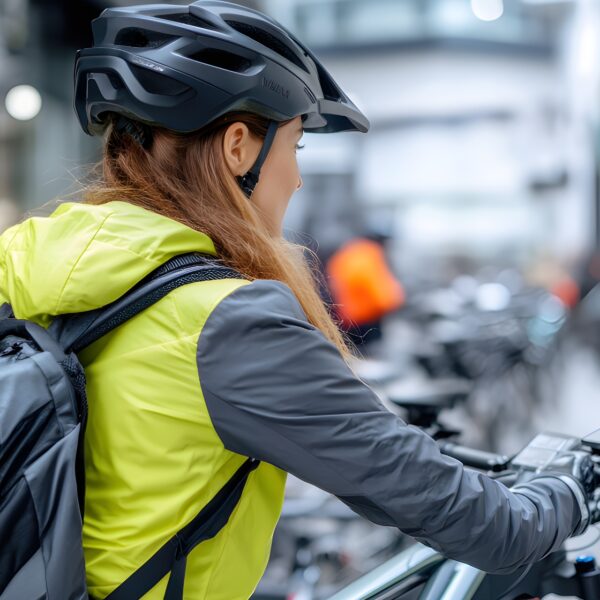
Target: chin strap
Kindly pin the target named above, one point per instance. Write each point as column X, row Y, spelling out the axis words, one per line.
column 250, row 179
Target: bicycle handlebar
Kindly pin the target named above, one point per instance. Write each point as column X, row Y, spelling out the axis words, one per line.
column 477, row 459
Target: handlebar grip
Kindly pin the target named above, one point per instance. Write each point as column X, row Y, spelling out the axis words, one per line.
column 477, row 459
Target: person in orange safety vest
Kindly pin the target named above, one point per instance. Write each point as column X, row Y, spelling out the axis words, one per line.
column 363, row 288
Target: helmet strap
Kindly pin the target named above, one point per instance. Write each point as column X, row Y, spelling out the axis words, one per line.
column 249, row 181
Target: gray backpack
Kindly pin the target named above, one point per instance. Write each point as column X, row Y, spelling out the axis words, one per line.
column 43, row 411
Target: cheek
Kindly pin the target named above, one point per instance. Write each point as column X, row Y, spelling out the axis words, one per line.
column 278, row 181
column 282, row 176
column 286, row 173
column 292, row 176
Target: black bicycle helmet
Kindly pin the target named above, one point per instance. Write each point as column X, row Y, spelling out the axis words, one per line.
column 182, row 67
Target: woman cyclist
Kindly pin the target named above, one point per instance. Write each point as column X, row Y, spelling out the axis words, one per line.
column 203, row 107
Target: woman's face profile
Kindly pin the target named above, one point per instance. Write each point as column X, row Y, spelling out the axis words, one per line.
column 279, row 176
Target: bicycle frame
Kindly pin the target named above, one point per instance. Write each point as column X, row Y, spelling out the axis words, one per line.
column 420, row 573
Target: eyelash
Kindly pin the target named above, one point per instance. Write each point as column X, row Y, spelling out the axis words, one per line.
column 299, row 146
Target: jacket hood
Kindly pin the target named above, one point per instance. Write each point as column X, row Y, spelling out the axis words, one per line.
column 83, row 257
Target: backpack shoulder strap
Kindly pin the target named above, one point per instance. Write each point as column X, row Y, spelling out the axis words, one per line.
column 172, row 555
column 75, row 332
column 6, row 312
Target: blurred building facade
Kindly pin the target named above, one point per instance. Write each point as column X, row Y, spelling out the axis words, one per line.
column 484, row 125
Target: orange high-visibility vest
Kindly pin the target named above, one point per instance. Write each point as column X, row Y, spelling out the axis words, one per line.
column 361, row 283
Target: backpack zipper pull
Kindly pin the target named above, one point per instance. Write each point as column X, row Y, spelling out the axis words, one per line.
column 13, row 349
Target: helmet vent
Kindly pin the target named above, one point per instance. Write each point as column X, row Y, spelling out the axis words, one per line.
column 221, row 59
column 142, row 38
column 115, row 80
column 330, row 92
column 188, row 19
column 267, row 39
column 154, row 83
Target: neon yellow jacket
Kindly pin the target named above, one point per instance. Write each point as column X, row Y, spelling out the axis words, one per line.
column 220, row 370
column 153, row 458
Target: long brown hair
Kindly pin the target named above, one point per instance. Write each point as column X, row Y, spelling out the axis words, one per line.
column 184, row 177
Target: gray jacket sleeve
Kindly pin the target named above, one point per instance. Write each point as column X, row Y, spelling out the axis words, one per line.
column 278, row 391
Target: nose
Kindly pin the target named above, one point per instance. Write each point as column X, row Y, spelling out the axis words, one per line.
column 300, row 183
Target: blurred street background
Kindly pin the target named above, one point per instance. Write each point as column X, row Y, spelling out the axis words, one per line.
column 476, row 196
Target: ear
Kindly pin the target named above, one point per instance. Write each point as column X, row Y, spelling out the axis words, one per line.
column 240, row 149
